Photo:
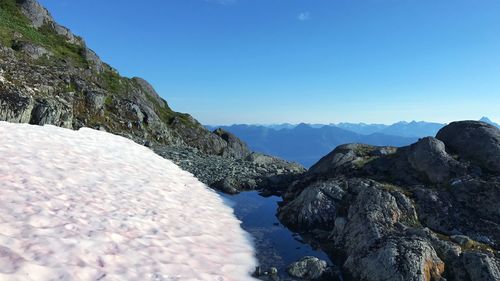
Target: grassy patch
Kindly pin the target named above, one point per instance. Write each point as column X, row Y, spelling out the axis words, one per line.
column 113, row 82
column 477, row 246
column 471, row 245
column 394, row 188
column 15, row 26
column 363, row 150
column 360, row 163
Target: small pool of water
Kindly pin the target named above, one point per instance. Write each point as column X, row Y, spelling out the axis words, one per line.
column 275, row 244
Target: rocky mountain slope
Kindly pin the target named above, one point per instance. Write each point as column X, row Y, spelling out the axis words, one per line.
column 428, row 211
column 48, row 75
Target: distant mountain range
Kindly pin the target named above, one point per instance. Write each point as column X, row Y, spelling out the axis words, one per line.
column 307, row 143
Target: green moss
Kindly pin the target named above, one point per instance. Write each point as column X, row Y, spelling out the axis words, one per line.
column 360, row 163
column 394, row 188
column 471, row 245
column 15, row 26
column 478, row 246
column 363, row 150
column 108, row 102
column 113, row 82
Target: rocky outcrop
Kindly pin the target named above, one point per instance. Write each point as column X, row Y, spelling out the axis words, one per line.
column 32, row 50
column 15, row 106
column 476, row 141
column 235, row 147
column 428, row 156
column 428, row 211
column 315, row 207
column 37, row 14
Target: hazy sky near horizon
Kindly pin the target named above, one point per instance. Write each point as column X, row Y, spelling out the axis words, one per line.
column 316, row 61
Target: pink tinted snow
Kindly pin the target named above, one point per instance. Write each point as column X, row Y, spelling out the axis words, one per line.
column 88, row 205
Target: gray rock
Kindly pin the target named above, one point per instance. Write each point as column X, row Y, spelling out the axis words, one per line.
column 149, row 90
column 308, row 268
column 235, row 147
column 475, row 141
column 52, row 112
column 481, row 267
column 315, row 207
column 461, row 239
column 95, row 100
column 428, row 156
column 32, row 50
column 343, row 155
column 15, row 106
column 397, row 259
column 470, row 207
column 96, row 62
column 37, row 14
column 348, row 158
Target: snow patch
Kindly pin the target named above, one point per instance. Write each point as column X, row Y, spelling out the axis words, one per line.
column 88, row 205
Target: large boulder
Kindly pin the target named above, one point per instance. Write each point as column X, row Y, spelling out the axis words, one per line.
column 56, row 112
column 34, row 51
column 15, row 106
column 349, row 156
column 235, row 147
column 398, row 259
column 315, row 207
column 428, row 156
column 476, row 141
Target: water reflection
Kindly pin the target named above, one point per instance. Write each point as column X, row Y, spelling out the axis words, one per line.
column 275, row 244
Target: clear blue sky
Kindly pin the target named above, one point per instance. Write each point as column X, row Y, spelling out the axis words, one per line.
column 317, row 61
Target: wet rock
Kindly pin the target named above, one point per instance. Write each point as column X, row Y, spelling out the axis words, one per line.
column 308, row 268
